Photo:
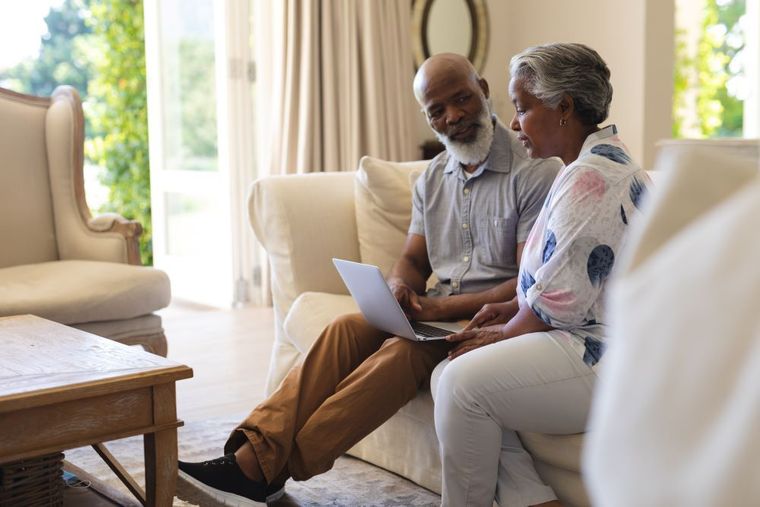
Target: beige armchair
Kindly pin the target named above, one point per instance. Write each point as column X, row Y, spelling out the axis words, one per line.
column 56, row 261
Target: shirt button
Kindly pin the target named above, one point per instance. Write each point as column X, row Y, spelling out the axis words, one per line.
column 455, row 284
column 466, row 191
column 539, row 287
column 465, row 226
column 466, row 258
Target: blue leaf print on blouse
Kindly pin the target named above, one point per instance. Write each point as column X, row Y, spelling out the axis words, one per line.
column 549, row 245
column 599, row 264
column 622, row 215
column 637, row 191
column 526, row 282
column 594, row 351
column 541, row 315
column 611, row 152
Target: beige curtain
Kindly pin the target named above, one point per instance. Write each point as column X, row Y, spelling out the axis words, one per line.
column 334, row 83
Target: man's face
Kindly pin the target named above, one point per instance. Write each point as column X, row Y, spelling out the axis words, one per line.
column 453, row 106
column 457, row 110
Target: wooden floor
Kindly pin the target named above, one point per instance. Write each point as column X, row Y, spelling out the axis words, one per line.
column 228, row 351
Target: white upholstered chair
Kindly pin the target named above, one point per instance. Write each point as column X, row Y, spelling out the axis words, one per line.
column 56, row 261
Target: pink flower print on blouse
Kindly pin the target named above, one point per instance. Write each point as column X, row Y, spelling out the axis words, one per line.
column 590, row 183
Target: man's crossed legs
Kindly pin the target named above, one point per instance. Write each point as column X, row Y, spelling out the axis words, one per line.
column 353, row 379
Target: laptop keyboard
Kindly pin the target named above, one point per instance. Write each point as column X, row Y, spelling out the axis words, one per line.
column 429, row 331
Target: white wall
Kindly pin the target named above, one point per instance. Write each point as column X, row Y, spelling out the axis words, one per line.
column 635, row 39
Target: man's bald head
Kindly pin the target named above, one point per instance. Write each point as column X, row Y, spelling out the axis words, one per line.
column 444, row 68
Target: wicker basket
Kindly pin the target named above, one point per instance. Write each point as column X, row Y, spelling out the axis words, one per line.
column 32, row 482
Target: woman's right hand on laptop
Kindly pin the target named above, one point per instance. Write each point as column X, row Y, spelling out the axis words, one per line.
column 493, row 313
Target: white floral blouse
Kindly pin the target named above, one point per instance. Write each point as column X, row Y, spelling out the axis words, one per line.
column 576, row 239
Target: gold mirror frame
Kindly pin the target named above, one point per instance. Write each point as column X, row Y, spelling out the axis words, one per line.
column 478, row 39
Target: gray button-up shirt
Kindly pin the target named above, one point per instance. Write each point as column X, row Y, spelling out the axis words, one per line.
column 472, row 226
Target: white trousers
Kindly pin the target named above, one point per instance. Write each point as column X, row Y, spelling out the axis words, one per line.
column 534, row 382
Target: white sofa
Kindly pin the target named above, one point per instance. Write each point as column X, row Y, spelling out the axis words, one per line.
column 303, row 221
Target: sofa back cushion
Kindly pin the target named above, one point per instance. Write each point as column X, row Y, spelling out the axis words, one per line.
column 383, row 192
column 26, row 209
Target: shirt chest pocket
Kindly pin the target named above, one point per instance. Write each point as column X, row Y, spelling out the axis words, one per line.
column 495, row 240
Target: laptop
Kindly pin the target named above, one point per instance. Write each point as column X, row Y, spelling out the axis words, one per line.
column 369, row 289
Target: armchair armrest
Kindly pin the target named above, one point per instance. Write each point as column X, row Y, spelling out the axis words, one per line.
column 130, row 230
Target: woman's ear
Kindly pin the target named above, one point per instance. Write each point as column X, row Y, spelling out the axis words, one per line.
column 566, row 105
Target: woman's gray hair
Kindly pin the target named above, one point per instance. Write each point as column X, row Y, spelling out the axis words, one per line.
column 552, row 70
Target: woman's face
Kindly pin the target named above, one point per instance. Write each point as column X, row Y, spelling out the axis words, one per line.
column 537, row 126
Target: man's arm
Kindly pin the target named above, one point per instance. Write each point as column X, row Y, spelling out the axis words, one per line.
column 411, row 272
column 464, row 306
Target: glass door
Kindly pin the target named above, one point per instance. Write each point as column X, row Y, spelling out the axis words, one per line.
column 201, row 157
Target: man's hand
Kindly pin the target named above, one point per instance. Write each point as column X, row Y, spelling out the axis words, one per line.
column 415, row 307
column 406, row 297
column 493, row 313
column 471, row 340
column 430, row 309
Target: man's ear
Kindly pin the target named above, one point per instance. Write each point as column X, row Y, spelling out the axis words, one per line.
column 484, row 86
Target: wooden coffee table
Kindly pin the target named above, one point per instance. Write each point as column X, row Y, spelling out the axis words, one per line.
column 62, row 388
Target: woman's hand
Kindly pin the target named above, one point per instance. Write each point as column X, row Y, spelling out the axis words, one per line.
column 471, row 340
column 493, row 313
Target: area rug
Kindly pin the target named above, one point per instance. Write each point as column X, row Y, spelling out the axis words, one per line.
column 351, row 482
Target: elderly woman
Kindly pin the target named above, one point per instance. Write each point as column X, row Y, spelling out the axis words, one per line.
column 530, row 364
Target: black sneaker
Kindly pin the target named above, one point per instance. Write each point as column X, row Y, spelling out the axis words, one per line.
column 222, row 480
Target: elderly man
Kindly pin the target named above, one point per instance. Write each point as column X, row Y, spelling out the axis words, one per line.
column 472, row 211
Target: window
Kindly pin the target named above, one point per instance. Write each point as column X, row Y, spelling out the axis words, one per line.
column 715, row 93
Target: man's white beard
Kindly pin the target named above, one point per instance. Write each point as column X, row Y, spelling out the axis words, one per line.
column 477, row 150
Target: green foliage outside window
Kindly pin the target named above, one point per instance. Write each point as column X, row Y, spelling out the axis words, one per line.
column 193, row 146
column 700, row 80
column 62, row 58
column 680, row 82
column 120, row 112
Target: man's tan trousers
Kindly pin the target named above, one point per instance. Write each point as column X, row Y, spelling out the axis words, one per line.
column 352, row 380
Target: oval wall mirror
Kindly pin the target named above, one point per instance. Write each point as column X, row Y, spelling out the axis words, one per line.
column 454, row 26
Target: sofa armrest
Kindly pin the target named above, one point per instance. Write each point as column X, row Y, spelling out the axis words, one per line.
column 303, row 221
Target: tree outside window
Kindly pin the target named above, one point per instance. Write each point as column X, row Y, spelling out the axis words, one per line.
column 710, row 79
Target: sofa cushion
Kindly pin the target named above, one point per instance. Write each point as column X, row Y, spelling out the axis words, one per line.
column 311, row 313
column 383, row 193
column 74, row 292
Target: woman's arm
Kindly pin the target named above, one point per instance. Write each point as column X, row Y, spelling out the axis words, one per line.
column 525, row 321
